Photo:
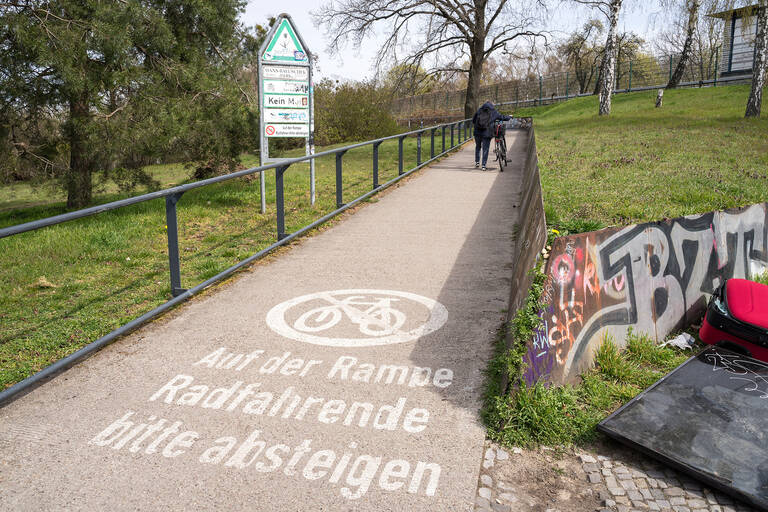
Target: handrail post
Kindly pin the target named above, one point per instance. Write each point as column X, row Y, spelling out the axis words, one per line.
column 443, row 130
column 173, row 243
column 339, row 195
column 541, row 90
column 376, row 164
column 418, row 149
column 432, row 143
column 453, row 125
column 400, row 155
column 262, row 193
column 670, row 66
column 280, row 201
column 566, row 85
column 629, row 88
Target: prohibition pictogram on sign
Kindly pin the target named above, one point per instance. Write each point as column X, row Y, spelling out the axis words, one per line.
column 270, row 130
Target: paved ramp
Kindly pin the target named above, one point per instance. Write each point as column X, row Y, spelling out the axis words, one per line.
column 345, row 374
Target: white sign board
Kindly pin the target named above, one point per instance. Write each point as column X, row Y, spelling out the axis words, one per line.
column 279, row 115
column 285, row 101
column 286, row 130
column 285, row 93
column 284, row 73
column 284, row 46
column 286, row 87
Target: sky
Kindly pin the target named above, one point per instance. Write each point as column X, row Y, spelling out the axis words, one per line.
column 357, row 64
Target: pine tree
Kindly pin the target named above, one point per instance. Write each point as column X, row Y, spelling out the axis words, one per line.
column 123, row 81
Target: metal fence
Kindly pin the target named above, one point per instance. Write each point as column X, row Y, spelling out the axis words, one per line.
column 442, row 139
column 639, row 74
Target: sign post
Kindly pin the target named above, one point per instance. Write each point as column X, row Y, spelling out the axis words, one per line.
column 286, row 94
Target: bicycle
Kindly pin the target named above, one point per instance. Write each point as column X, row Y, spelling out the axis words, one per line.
column 500, row 144
column 378, row 319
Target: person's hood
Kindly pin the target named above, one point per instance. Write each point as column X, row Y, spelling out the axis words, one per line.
column 488, row 105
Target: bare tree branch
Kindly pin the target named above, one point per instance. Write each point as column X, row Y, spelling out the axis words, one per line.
column 432, row 33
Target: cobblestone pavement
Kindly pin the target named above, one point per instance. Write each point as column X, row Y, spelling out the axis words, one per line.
column 618, row 479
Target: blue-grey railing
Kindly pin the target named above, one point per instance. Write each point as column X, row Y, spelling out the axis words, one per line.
column 462, row 129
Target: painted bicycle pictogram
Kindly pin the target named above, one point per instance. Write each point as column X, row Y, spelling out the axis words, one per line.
column 380, row 316
column 376, row 317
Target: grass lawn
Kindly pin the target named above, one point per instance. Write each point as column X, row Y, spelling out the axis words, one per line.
column 64, row 286
column 22, row 195
column 695, row 154
column 565, row 415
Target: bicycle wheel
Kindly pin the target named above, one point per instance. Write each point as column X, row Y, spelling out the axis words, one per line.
column 500, row 157
column 318, row 319
column 382, row 322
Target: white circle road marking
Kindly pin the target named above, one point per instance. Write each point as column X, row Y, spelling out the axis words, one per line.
column 378, row 318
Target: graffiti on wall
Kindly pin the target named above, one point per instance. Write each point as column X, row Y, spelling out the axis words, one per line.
column 654, row 278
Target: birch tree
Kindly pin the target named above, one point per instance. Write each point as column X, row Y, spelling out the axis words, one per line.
column 692, row 7
column 755, row 100
column 435, row 35
column 706, row 40
column 610, row 9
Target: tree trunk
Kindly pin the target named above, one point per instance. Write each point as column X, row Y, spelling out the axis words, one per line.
column 476, row 59
column 581, row 79
column 475, row 78
column 693, row 20
column 755, row 100
column 607, row 80
column 599, row 77
column 79, row 184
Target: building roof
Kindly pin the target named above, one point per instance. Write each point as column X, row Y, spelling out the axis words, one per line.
column 739, row 12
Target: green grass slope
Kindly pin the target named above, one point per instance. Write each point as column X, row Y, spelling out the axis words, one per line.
column 695, row 154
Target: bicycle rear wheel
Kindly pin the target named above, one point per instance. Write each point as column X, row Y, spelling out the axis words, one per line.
column 503, row 154
column 500, row 154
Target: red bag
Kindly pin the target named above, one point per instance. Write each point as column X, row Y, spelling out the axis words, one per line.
column 737, row 318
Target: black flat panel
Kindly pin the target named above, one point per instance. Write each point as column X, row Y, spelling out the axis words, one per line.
column 708, row 418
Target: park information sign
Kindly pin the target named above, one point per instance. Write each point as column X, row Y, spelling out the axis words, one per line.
column 285, row 92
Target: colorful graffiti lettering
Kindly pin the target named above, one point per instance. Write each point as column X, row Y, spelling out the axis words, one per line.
column 653, row 278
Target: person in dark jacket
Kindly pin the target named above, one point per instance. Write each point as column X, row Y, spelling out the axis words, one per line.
column 483, row 121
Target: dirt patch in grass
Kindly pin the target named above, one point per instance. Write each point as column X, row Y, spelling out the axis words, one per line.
column 539, row 480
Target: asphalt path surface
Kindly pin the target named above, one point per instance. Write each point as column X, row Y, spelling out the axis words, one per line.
column 344, row 374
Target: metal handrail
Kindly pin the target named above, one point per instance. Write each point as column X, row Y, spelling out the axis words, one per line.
column 699, row 83
column 65, row 217
column 172, row 196
column 538, row 101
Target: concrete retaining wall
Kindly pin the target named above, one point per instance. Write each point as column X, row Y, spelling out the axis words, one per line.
column 653, row 278
column 532, row 228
